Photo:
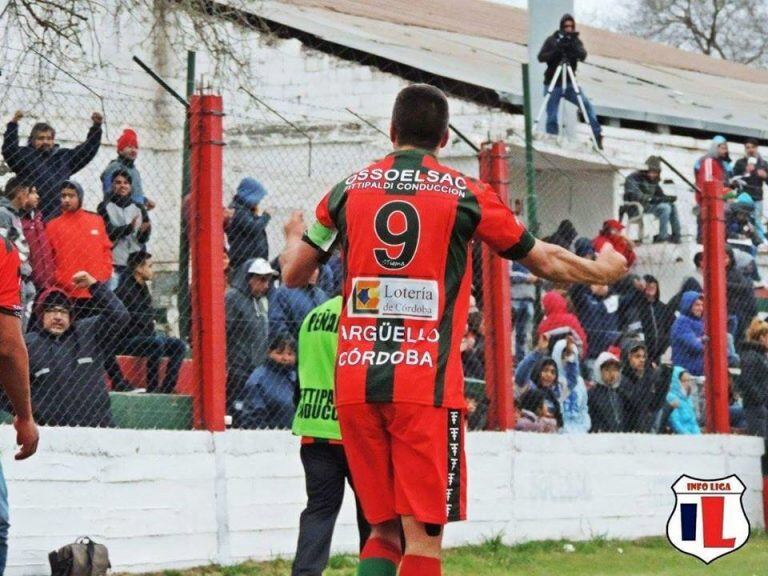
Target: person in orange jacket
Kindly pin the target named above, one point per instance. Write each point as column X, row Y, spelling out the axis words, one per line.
column 79, row 241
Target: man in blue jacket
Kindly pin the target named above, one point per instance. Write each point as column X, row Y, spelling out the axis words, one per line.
column 43, row 164
column 247, row 230
column 66, row 356
column 687, row 336
column 289, row 306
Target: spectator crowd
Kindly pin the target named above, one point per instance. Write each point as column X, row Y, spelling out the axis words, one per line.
column 639, row 358
column 589, row 358
column 86, row 279
column 85, row 275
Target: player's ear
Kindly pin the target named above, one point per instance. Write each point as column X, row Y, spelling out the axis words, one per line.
column 393, row 134
column 444, row 139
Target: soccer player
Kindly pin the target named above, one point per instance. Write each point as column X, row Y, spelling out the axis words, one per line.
column 404, row 224
column 14, row 366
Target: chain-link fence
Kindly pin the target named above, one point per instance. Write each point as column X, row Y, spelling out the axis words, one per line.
column 92, row 200
column 94, row 176
column 631, row 357
column 589, row 358
column 269, row 179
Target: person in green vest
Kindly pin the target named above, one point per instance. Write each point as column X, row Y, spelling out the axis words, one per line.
column 322, row 452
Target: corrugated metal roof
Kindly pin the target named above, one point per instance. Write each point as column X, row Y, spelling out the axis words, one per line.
column 497, row 21
column 620, row 88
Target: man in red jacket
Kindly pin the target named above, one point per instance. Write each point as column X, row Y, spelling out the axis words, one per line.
column 79, row 242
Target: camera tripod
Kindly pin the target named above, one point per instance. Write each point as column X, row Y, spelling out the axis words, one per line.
column 564, row 72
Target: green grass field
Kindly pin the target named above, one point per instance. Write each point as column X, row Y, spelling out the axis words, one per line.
column 648, row 557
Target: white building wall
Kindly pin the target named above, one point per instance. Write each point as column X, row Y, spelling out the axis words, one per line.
column 312, row 90
column 162, row 500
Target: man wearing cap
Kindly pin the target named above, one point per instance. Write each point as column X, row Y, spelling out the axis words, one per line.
column 611, row 233
column 66, row 355
column 247, row 308
column 127, row 151
column 643, row 186
column 138, row 337
column 79, row 242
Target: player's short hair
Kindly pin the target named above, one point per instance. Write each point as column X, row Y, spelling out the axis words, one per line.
column 752, row 141
column 420, row 116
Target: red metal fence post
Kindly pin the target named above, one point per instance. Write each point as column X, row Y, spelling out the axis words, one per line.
column 715, row 311
column 207, row 245
column 494, row 169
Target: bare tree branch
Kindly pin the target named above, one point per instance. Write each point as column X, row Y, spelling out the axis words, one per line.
column 65, row 30
column 728, row 29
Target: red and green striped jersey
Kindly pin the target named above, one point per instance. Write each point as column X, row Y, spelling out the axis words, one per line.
column 10, row 279
column 405, row 224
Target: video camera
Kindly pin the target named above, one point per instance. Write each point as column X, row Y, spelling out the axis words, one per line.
column 567, row 43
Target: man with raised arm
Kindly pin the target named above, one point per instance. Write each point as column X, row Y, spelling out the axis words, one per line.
column 404, row 224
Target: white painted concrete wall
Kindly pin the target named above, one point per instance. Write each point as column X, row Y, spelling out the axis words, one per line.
column 178, row 499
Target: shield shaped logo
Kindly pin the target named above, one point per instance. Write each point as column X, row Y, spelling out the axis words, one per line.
column 709, row 520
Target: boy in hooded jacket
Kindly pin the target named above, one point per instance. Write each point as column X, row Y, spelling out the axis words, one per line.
column 538, row 371
column 687, row 334
column 606, row 406
column 682, row 419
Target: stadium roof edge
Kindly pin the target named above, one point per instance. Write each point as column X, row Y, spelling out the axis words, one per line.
column 692, row 97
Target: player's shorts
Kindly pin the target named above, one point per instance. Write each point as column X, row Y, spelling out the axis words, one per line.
column 406, row 460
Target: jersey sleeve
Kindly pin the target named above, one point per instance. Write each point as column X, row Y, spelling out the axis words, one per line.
column 10, row 280
column 500, row 228
column 322, row 234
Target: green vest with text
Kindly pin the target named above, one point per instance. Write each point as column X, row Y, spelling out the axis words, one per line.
column 316, row 415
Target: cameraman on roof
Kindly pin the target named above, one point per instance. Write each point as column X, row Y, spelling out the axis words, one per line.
column 565, row 46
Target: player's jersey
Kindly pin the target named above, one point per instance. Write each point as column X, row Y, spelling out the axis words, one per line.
column 10, row 279
column 405, row 224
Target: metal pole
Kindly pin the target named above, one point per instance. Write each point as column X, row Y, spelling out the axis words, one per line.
column 494, row 170
column 207, row 235
column 580, row 100
column 681, row 175
column 183, row 285
column 463, row 138
column 715, row 310
column 163, row 83
column 530, row 169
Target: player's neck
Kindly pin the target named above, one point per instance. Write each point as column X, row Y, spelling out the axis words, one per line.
column 406, row 147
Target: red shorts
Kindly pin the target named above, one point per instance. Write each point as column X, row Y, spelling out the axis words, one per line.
column 406, row 460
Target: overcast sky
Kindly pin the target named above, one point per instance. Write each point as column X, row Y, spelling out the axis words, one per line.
column 592, row 12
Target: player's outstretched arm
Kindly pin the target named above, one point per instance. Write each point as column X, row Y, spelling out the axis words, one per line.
column 14, row 366
column 557, row 264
